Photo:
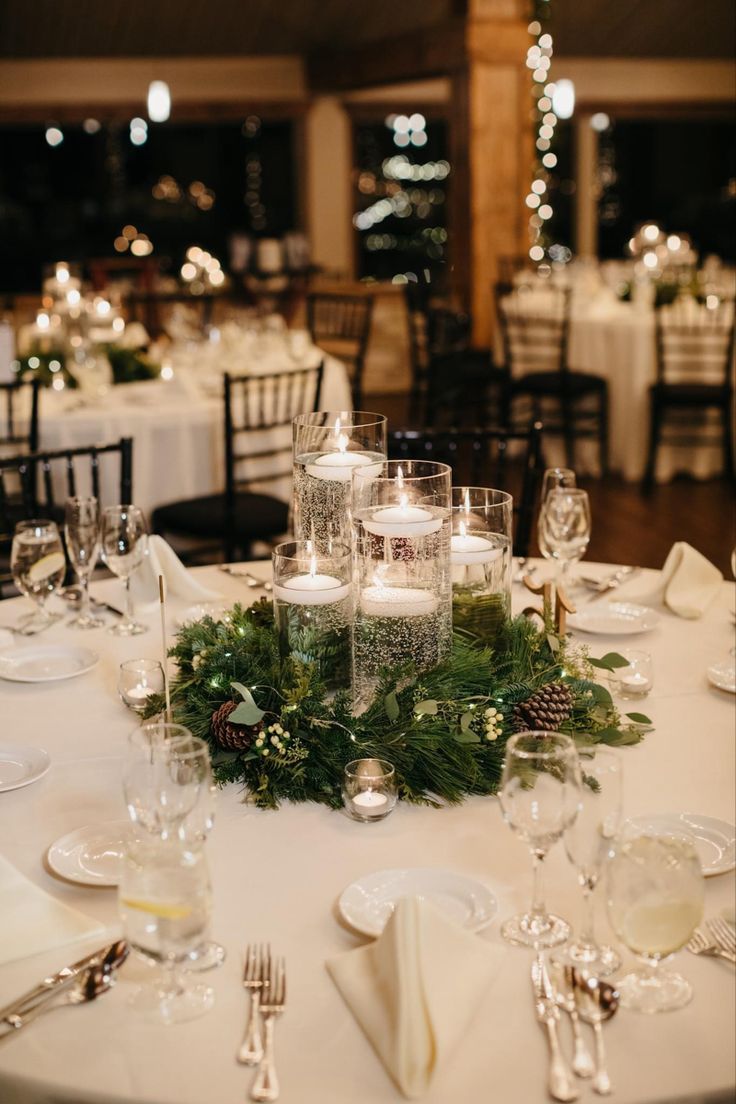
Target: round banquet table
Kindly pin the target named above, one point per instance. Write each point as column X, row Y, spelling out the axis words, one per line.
column 277, row 876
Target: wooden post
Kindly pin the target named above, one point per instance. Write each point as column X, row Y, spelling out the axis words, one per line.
column 586, row 191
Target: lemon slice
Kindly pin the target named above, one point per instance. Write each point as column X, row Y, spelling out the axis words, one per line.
column 158, row 908
column 46, row 566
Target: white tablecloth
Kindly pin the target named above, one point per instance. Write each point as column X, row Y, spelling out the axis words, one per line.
column 277, row 877
column 176, row 425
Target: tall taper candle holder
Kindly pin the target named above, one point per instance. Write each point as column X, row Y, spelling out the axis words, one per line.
column 328, row 447
column 313, row 607
column 480, row 553
column 401, row 523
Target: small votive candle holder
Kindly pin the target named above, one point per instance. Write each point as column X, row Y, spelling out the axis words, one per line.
column 369, row 789
column 637, row 679
column 138, row 680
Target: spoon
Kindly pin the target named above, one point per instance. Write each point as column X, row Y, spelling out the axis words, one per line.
column 597, row 1001
column 91, row 984
column 249, row 580
column 582, row 1063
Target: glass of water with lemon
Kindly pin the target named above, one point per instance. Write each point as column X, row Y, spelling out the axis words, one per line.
column 655, row 901
column 38, row 566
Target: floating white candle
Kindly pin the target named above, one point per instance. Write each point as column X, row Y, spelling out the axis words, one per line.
column 338, row 466
column 402, row 521
column 370, row 803
column 466, row 548
column 388, row 601
column 311, row 590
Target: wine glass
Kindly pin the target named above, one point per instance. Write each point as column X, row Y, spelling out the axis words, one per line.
column 655, row 890
column 552, row 479
column 123, row 546
column 38, row 565
column 587, row 842
column 165, row 903
column 540, row 798
column 82, row 535
column 564, row 526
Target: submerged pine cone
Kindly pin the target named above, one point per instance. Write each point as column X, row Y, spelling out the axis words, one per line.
column 547, row 709
column 232, row 737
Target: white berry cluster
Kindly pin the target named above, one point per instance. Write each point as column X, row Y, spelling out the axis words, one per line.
column 198, row 657
column 493, row 723
column 274, row 738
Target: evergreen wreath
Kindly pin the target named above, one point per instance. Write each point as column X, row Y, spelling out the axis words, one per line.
column 444, row 730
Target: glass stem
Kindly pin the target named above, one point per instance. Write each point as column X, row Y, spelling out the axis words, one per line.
column 538, row 906
column 128, row 601
column 173, row 979
column 587, row 929
column 84, row 602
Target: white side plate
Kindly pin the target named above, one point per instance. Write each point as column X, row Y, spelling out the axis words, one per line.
column 20, row 765
column 367, row 904
column 615, row 619
column 45, row 662
column 723, row 676
column 91, row 855
column 715, row 840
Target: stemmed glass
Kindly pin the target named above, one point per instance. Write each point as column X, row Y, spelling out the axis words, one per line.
column 552, row 479
column 123, row 546
column 564, row 526
column 587, row 842
column 82, row 535
column 38, row 565
column 655, row 891
column 540, row 798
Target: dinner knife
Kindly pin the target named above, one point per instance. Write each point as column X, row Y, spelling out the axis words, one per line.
column 55, row 982
column 560, row 1083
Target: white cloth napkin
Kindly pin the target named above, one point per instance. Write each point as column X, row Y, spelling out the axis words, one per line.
column 31, row 921
column 688, row 582
column 163, row 560
column 415, row 989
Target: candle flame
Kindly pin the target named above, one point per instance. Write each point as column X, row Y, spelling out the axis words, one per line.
column 463, row 529
column 342, row 443
column 312, row 566
column 338, row 427
column 403, row 502
column 466, row 500
column 399, row 477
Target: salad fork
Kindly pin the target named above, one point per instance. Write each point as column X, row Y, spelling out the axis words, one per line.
column 699, row 943
column 255, row 978
column 266, row 1085
column 723, row 935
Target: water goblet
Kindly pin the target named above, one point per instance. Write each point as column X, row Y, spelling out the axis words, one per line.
column 564, row 525
column 38, row 565
column 540, row 798
column 552, row 479
column 587, row 842
column 123, row 546
column 82, row 536
column 655, row 896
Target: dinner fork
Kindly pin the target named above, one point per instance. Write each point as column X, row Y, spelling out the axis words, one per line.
column 723, row 934
column 255, row 975
column 266, row 1085
column 699, row 943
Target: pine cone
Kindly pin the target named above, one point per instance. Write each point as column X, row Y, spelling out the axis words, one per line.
column 547, row 709
column 232, row 737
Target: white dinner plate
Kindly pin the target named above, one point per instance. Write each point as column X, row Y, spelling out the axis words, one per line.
column 91, row 855
column 715, row 840
column 367, row 904
column 723, row 675
column 45, row 662
column 21, row 765
column 614, row 619
column 217, row 610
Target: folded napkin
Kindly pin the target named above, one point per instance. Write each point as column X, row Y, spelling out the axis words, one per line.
column 415, row 990
column 31, row 921
column 688, row 582
column 163, row 560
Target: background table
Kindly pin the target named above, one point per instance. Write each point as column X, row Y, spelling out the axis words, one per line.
column 278, row 875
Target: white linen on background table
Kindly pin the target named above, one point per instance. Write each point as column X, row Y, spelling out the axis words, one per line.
column 278, row 875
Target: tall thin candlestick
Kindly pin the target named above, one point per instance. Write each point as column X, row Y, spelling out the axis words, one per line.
column 165, row 664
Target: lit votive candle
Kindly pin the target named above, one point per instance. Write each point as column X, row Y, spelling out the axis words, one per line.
column 636, row 680
column 402, row 521
column 468, row 548
column 389, row 601
column 311, row 589
column 338, row 466
column 139, row 680
column 369, row 789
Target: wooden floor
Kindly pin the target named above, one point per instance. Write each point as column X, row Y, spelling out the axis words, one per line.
column 631, row 527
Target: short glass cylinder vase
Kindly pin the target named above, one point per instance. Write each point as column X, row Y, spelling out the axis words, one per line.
column 401, row 524
column 369, row 789
column 480, row 554
column 328, row 447
column 313, row 607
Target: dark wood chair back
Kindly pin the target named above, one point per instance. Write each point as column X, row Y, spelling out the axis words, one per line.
column 18, row 427
column 535, row 326
column 342, row 324
column 695, row 345
column 508, row 460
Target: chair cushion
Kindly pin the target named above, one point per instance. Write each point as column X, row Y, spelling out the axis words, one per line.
column 257, row 516
column 553, row 383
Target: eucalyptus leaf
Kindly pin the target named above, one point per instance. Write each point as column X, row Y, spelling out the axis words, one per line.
column 616, row 738
column 466, row 721
column 428, row 707
column 391, row 705
column 467, row 736
column 601, row 696
column 639, row 718
column 247, row 712
column 609, row 662
column 554, row 642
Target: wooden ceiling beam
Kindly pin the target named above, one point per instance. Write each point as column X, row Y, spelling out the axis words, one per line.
column 426, row 52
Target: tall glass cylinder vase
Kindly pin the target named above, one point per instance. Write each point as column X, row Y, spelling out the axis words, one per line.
column 328, row 447
column 313, row 607
column 401, row 523
column 480, row 553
